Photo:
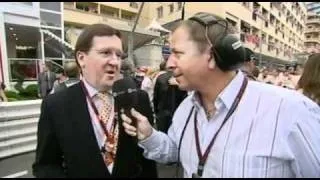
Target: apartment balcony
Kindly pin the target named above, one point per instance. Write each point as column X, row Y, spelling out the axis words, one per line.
column 80, row 17
column 313, row 21
column 312, row 30
column 313, row 40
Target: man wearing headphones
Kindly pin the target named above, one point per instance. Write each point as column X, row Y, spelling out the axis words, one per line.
column 229, row 126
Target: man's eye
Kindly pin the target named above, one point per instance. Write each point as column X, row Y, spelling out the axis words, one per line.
column 106, row 52
column 119, row 54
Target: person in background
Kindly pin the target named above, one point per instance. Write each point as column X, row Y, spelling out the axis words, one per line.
column 285, row 80
column 263, row 75
column 60, row 78
column 70, row 77
column 229, row 126
column 296, row 75
column 3, row 97
column 272, row 77
column 162, row 70
column 139, row 76
column 256, row 72
column 166, row 99
column 309, row 83
column 146, row 83
column 46, row 80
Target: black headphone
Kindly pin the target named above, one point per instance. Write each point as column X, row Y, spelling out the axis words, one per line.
column 227, row 49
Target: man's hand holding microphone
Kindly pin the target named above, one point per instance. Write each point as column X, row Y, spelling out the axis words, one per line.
column 143, row 129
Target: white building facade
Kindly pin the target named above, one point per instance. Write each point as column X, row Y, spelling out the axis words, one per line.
column 30, row 33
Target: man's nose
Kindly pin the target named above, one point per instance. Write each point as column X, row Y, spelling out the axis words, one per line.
column 114, row 59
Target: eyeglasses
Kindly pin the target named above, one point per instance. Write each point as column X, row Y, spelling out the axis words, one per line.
column 109, row 53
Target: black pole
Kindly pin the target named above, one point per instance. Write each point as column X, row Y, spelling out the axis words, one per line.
column 182, row 12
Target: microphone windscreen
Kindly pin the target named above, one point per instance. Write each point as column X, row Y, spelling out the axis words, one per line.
column 125, row 95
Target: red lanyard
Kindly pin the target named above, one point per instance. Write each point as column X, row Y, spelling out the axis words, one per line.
column 203, row 158
column 103, row 126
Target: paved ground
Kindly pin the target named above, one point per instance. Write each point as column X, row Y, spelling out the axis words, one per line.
column 20, row 167
column 17, row 166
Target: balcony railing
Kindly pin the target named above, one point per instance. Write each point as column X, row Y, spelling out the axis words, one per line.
column 103, row 16
column 313, row 39
column 312, row 30
column 69, row 5
column 315, row 20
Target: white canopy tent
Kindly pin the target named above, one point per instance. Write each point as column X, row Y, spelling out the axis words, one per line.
column 155, row 26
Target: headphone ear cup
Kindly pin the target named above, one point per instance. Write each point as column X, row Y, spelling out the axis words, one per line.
column 231, row 52
column 217, row 59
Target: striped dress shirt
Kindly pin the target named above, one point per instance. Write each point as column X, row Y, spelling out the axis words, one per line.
column 274, row 132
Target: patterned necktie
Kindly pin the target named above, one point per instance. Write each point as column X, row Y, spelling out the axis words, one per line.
column 110, row 146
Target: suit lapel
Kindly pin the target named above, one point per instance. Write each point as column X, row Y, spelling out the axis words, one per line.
column 80, row 116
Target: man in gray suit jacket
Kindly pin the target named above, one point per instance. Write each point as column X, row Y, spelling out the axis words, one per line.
column 45, row 80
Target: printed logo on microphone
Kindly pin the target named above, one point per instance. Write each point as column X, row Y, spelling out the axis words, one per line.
column 130, row 90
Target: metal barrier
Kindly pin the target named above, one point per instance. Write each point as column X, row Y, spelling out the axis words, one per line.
column 18, row 127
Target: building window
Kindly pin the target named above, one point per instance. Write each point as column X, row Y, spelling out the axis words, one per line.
column 246, row 4
column 242, row 37
column 127, row 17
column 160, row 12
column 50, row 19
column 179, row 6
column 134, row 5
column 54, row 6
column 171, row 7
column 26, row 3
column 89, row 7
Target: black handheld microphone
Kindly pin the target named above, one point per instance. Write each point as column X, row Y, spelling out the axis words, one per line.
column 125, row 93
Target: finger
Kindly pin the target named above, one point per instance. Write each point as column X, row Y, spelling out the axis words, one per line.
column 129, row 127
column 137, row 115
column 125, row 118
column 130, row 133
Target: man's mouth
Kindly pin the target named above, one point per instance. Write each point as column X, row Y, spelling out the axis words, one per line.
column 110, row 71
column 177, row 75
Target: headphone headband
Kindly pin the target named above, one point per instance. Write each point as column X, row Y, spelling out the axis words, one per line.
column 206, row 20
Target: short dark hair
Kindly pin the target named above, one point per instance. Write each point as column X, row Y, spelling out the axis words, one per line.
column 60, row 71
column 84, row 41
column 162, row 66
column 126, row 68
column 48, row 64
column 71, row 69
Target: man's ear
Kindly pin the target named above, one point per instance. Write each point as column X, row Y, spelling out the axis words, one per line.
column 80, row 58
column 211, row 62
